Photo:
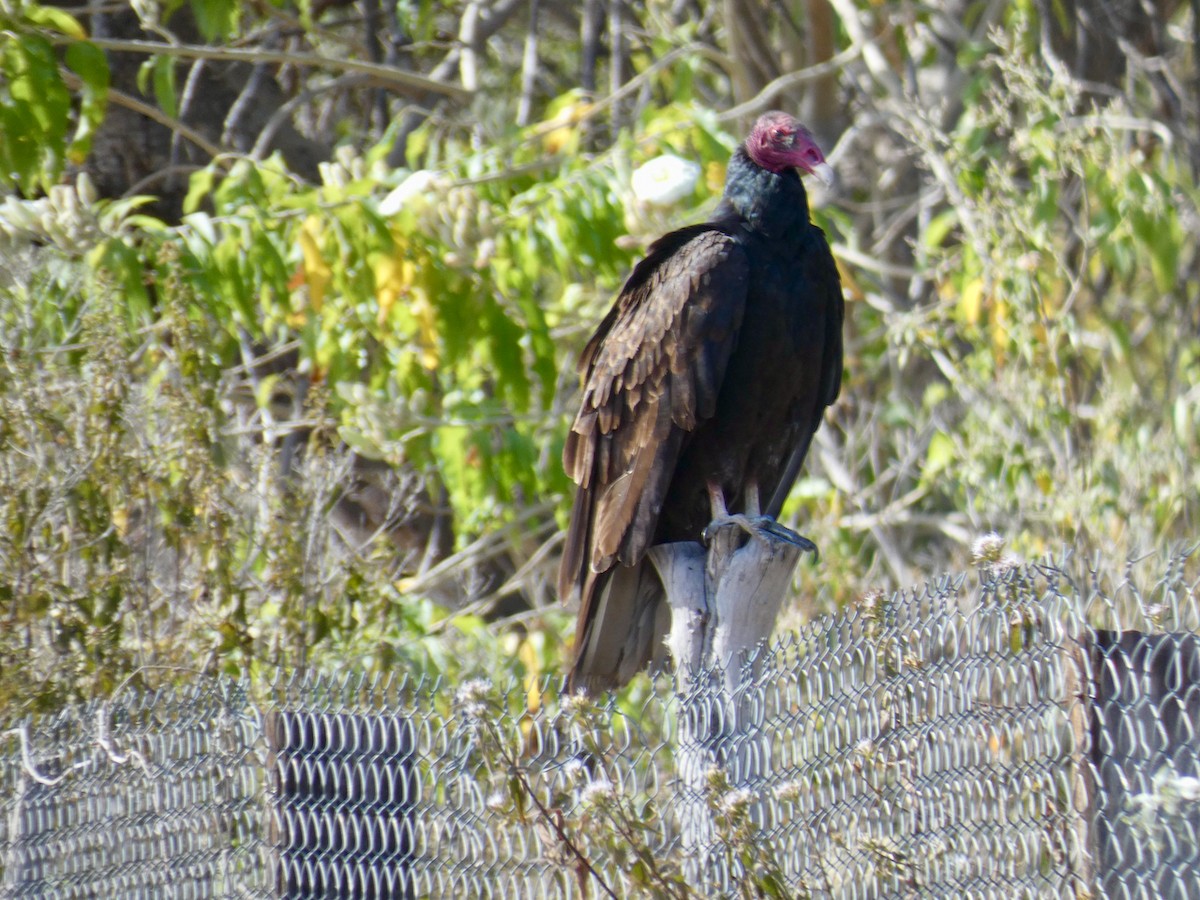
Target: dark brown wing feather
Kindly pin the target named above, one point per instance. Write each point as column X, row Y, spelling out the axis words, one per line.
column 652, row 371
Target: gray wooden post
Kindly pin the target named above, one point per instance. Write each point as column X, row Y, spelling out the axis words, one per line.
column 724, row 602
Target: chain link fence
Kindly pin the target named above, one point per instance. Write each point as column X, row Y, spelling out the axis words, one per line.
column 1026, row 733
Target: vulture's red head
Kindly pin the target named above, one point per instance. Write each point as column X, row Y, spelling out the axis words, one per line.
column 778, row 142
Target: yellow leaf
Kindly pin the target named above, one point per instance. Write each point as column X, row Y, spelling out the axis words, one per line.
column 714, row 177
column 397, row 276
column 393, row 279
column 999, row 329
column 850, row 285
column 970, row 302
column 317, row 273
column 531, row 660
column 120, row 520
column 1044, row 482
column 57, row 20
column 561, row 133
column 426, row 325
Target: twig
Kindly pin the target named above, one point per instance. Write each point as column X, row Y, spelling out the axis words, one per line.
column 104, row 739
column 386, row 74
column 1120, row 123
column 862, row 261
column 529, row 67
column 777, row 86
column 167, row 172
column 512, row 584
column 475, row 551
column 263, row 142
column 74, row 82
column 30, row 767
column 517, row 771
column 471, row 47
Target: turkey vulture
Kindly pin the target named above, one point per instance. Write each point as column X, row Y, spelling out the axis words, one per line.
column 702, row 389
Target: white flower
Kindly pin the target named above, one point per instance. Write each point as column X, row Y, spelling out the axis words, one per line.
column 1188, row 788
column 987, row 549
column 1156, row 611
column 64, row 217
column 86, row 189
column 1143, row 811
column 574, row 770
column 597, row 793
column 471, row 696
column 497, row 801
column 790, row 791
column 871, row 601
column 475, row 689
column 664, row 180
column 417, row 186
column 1007, row 562
column 714, row 776
column 576, row 704
column 734, row 802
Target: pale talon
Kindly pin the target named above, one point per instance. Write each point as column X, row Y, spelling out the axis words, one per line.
column 727, row 521
column 759, row 527
column 770, row 526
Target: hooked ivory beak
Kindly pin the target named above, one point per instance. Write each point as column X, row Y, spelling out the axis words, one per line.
column 824, row 171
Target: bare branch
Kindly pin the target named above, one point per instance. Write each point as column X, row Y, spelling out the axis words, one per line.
column 74, row 82
column 384, row 74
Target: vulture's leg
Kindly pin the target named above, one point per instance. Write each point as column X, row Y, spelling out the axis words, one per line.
column 752, row 521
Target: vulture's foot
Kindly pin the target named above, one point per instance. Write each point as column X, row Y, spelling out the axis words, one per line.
column 761, row 528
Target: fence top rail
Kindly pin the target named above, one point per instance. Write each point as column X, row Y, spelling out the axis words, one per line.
column 1072, row 599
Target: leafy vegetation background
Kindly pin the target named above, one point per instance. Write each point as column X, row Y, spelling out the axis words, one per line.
column 255, row 412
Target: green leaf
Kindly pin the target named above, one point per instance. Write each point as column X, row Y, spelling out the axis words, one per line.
column 939, row 228
column 505, row 350
column 516, row 790
column 54, row 19
column 470, row 624
column 359, row 443
column 89, row 62
column 36, row 111
column 216, row 19
column 1122, row 340
column 91, row 65
column 941, row 453
column 638, row 873
column 164, row 85
column 121, row 261
column 199, row 186
column 265, row 390
column 18, row 154
column 772, row 886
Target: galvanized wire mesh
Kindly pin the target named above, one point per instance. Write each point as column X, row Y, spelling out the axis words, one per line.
column 1007, row 736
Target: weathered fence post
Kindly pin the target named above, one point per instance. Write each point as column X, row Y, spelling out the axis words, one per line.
column 724, row 602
